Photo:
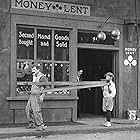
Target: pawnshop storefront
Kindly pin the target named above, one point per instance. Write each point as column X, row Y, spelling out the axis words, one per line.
column 61, row 38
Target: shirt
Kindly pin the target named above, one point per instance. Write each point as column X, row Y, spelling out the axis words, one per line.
column 109, row 90
column 40, row 77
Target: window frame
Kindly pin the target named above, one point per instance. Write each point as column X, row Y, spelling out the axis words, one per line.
column 14, row 56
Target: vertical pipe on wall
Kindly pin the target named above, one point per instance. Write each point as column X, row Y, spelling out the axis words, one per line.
column 138, row 57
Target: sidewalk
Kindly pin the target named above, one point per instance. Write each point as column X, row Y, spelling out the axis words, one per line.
column 83, row 125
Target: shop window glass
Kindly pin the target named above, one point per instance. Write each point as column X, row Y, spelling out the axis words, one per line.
column 91, row 38
column 25, row 43
column 49, row 48
column 46, row 69
column 24, row 72
column 23, row 90
column 62, row 92
column 44, row 44
column 61, row 45
column 61, row 72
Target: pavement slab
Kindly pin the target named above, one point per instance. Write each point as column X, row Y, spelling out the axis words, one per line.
column 81, row 126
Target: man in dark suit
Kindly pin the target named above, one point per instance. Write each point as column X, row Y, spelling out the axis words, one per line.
column 79, row 78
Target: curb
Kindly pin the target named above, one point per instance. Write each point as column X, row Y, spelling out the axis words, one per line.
column 79, row 130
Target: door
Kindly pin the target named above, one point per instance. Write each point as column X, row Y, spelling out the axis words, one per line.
column 95, row 64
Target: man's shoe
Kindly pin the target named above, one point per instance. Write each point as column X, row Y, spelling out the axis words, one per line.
column 41, row 128
column 107, row 124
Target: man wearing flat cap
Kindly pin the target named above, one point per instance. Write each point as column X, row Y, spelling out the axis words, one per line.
column 109, row 92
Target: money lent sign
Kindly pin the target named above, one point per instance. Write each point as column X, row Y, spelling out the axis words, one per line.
column 48, row 6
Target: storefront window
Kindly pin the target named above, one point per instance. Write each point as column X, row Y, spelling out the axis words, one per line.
column 24, row 72
column 61, row 72
column 62, row 92
column 46, row 69
column 61, row 45
column 49, row 49
column 44, row 44
column 23, row 90
column 25, row 43
column 91, row 38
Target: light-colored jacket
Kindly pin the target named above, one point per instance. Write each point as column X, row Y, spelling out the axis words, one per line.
column 35, row 89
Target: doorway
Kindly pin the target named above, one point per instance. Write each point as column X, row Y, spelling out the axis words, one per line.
column 94, row 63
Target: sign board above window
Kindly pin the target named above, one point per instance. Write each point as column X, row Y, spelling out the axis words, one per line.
column 48, row 6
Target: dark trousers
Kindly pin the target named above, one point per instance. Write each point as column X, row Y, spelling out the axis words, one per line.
column 108, row 115
column 78, row 104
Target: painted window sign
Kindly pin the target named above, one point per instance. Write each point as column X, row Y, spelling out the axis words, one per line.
column 91, row 38
column 46, row 47
column 48, row 6
column 61, row 45
column 44, row 44
column 25, row 41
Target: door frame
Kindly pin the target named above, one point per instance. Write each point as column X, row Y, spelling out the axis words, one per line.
column 115, row 67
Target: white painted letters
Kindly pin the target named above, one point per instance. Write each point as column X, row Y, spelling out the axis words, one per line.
column 48, row 6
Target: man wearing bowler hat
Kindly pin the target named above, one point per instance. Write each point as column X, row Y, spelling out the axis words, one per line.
column 109, row 92
column 33, row 107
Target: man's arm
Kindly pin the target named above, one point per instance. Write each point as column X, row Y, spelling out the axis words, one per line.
column 43, row 79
